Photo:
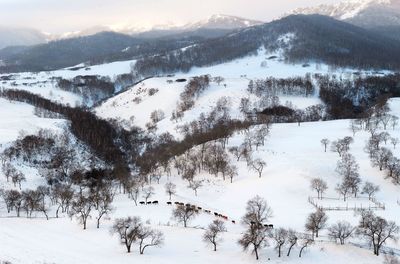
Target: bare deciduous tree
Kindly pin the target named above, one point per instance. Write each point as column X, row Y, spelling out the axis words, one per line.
column 81, row 207
column 325, row 142
column 370, row 189
column 376, row 230
column 103, row 203
column 213, row 232
column 280, row 237
column 394, row 142
column 340, row 231
column 292, row 239
column 195, row 185
column 170, row 189
column 258, row 165
column 316, row 221
column 257, row 213
column 127, row 229
column 183, row 214
column 149, row 238
column 355, row 126
column 319, row 185
column 305, row 241
column 148, row 192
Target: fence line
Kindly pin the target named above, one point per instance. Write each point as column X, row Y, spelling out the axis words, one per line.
column 378, row 206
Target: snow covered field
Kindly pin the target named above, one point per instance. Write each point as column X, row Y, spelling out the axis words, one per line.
column 293, row 154
column 16, row 117
column 236, row 74
column 41, row 83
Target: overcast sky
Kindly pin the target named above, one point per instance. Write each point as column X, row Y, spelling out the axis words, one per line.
column 56, row 16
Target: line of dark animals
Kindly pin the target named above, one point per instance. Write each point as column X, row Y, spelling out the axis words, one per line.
column 198, row 209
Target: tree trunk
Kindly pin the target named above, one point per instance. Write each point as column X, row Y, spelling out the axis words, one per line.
column 256, row 252
column 290, row 249
column 301, row 251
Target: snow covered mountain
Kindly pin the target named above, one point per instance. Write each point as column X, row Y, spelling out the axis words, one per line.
column 365, row 13
column 222, row 22
column 343, row 10
column 20, row 37
column 215, row 22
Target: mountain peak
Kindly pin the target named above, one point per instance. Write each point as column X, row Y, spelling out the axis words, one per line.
column 345, row 9
column 221, row 21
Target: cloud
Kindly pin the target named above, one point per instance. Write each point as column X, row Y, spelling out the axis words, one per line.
column 69, row 15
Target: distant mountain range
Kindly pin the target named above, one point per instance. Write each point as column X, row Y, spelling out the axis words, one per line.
column 300, row 38
column 20, row 36
column 216, row 25
column 348, row 36
column 381, row 16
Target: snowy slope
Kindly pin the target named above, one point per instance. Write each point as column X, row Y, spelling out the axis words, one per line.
column 343, row 10
column 236, row 74
column 294, row 155
column 15, row 117
column 41, row 83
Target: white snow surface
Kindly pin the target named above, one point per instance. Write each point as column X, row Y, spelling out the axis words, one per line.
column 236, row 74
column 293, row 155
column 41, row 83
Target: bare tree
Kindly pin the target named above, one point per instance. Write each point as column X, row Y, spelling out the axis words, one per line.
column 231, row 171
column 127, row 229
column 341, row 231
column 17, row 178
column 381, row 157
column 325, row 142
column 355, row 126
column 149, row 238
column 341, row 146
column 195, row 185
column 183, row 214
column 394, row 122
column 244, row 105
column 370, row 189
column 280, row 237
column 257, row 213
column 103, row 203
column 343, row 189
column 8, row 170
column 213, row 232
column 81, row 207
column 385, row 120
column 255, row 237
column 218, row 80
column 170, row 189
column 385, row 136
column 13, row 200
column 133, row 189
column 148, row 192
column 316, row 221
column 62, row 195
column 377, row 230
column 258, row 165
column 394, row 142
column 157, row 115
column 319, row 185
column 292, row 239
column 305, row 241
